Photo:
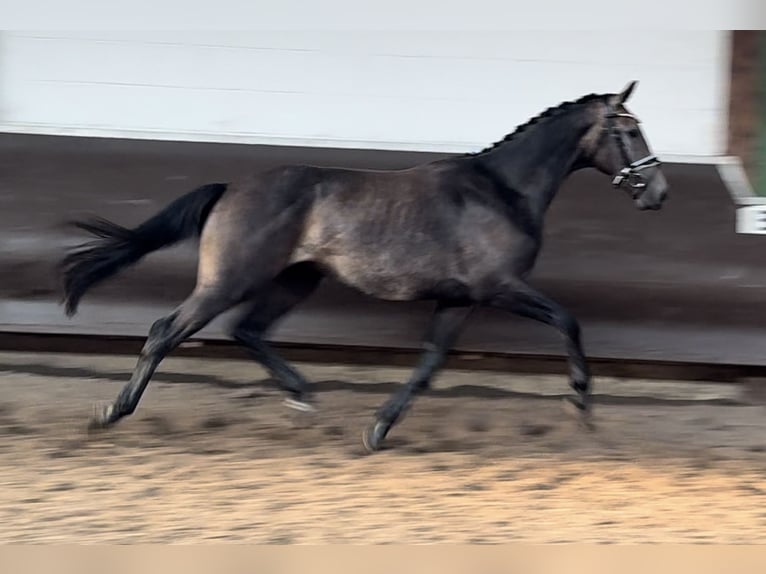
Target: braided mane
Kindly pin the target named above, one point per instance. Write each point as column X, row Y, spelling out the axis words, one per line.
column 549, row 113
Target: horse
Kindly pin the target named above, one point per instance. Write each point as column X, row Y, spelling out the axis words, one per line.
column 459, row 232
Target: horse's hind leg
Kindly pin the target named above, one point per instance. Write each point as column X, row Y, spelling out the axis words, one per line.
column 442, row 332
column 288, row 289
column 165, row 335
column 244, row 245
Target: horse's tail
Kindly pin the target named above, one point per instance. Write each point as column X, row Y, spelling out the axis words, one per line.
column 118, row 247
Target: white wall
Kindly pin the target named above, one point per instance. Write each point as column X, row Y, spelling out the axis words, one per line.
column 398, row 90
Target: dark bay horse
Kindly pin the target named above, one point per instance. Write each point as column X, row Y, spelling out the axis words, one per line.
column 462, row 232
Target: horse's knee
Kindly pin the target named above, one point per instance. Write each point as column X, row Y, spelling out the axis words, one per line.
column 568, row 325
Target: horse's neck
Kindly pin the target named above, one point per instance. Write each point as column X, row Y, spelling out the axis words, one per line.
column 536, row 162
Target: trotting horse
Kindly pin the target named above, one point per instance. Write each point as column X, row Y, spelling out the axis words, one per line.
column 462, row 232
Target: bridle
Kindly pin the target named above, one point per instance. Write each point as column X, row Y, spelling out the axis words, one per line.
column 631, row 173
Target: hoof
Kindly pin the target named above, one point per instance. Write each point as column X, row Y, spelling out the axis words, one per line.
column 580, row 411
column 302, row 414
column 300, row 406
column 103, row 418
column 373, row 436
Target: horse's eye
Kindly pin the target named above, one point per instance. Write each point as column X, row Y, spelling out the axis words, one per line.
column 634, row 133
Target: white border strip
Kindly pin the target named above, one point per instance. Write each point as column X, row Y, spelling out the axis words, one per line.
column 390, row 15
column 734, row 177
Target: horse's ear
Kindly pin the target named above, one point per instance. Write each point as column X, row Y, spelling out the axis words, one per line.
column 626, row 93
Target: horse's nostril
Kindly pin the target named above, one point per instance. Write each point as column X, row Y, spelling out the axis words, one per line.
column 663, row 195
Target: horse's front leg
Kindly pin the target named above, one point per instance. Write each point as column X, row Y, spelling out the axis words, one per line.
column 523, row 300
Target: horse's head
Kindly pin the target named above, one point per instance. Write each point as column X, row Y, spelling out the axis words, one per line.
column 623, row 152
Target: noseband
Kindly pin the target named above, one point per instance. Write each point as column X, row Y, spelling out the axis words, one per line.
column 631, row 173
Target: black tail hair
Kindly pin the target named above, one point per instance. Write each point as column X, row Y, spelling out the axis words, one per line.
column 119, row 247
